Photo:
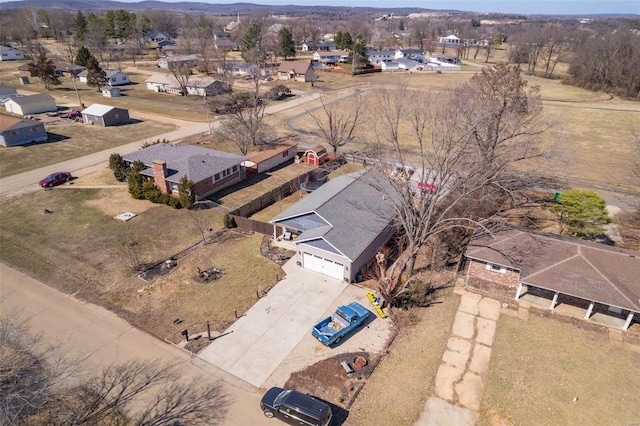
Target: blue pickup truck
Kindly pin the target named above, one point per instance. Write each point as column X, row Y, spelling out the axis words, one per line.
column 342, row 322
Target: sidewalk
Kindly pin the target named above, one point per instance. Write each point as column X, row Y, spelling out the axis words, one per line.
column 460, row 378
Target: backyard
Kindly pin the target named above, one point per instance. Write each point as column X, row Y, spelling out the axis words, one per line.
column 547, row 372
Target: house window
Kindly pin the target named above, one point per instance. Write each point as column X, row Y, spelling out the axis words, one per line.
column 496, row 268
column 216, row 177
column 235, row 169
column 285, row 154
column 117, row 116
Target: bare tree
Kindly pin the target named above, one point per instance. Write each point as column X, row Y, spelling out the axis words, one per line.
column 337, row 123
column 245, row 126
column 182, row 73
column 468, row 145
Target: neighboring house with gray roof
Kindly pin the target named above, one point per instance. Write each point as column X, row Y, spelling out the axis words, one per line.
column 114, row 77
column 514, row 263
column 16, row 131
column 208, row 169
column 105, row 115
column 10, row 54
column 32, row 104
column 340, row 226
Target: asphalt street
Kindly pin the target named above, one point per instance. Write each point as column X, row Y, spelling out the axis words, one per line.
column 102, row 338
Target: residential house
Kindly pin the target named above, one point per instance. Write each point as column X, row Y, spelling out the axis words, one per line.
column 179, row 61
column 270, row 157
column 24, row 70
column 68, row 70
column 408, row 64
column 114, row 77
column 32, row 104
column 208, row 169
column 222, row 40
column 339, row 227
column 515, row 264
column 105, row 115
column 450, row 40
column 16, row 131
column 199, row 86
column 389, row 66
column 414, row 54
column 239, row 69
column 7, row 92
column 10, row 54
column 380, row 56
column 296, row 70
column 331, row 58
column 326, row 46
column 157, row 37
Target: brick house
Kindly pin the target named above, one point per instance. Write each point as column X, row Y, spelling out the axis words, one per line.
column 297, row 71
column 210, row 170
column 514, row 263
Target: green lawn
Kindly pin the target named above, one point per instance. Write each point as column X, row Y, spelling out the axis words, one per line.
column 75, row 140
column 538, row 367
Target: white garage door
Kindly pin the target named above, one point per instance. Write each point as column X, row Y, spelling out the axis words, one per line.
column 322, row 265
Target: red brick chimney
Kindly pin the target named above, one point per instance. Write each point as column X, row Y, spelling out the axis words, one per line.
column 159, row 175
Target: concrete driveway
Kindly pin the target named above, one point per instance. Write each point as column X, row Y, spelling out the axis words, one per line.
column 254, row 346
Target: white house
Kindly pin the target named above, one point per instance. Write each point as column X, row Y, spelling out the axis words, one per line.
column 433, row 64
column 415, row 54
column 408, row 64
column 450, row 39
column 380, row 56
column 239, row 69
column 32, row 104
column 10, row 54
column 110, row 92
column 389, row 66
column 114, row 77
column 332, row 57
column 200, row 86
column 172, row 62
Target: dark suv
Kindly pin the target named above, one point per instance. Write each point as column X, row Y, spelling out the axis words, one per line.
column 295, row 408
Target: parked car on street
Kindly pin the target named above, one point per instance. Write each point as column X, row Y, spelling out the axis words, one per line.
column 295, row 408
column 55, row 179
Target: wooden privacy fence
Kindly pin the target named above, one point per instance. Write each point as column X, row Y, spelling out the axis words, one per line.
column 247, row 224
column 240, row 215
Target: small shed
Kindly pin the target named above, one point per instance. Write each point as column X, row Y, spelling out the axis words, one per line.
column 315, row 156
column 110, row 92
column 105, row 115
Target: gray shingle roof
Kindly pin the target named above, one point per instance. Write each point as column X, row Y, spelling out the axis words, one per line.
column 33, row 99
column 583, row 269
column 195, row 162
column 354, row 208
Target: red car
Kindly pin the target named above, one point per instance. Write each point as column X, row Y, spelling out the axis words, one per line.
column 55, row 179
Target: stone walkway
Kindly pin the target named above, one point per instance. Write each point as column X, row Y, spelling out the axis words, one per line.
column 460, row 378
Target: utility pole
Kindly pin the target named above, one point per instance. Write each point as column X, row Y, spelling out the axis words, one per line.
column 75, row 87
column 206, row 110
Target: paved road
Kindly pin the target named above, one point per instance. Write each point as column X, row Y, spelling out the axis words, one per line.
column 27, row 181
column 104, row 338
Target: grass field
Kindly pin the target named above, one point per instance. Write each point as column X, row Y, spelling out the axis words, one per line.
column 539, row 366
column 75, row 140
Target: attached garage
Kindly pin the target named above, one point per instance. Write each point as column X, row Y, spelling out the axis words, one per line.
column 340, row 226
column 324, row 266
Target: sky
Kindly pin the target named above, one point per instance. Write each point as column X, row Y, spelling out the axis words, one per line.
column 527, row 7
column 564, row 7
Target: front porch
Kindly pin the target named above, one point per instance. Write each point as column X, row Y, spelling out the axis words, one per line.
column 598, row 313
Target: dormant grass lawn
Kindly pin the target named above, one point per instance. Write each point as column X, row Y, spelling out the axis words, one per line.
column 538, row 367
column 396, row 392
column 79, row 249
column 74, row 140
